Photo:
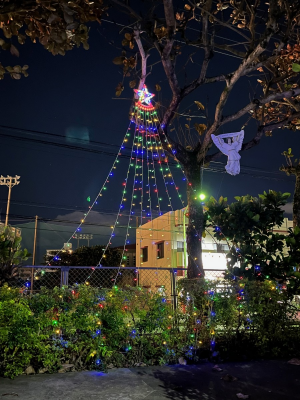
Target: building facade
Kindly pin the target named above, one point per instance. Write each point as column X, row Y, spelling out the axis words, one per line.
column 161, row 243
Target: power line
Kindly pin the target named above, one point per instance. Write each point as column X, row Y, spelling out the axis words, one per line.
column 105, row 152
column 43, row 133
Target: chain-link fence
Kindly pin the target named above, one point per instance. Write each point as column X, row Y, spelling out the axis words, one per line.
column 162, row 280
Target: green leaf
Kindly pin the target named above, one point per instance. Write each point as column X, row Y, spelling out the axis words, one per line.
column 296, row 67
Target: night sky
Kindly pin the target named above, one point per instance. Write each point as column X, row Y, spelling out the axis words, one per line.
column 73, row 98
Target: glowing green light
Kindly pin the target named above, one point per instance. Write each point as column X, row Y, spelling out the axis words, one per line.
column 88, row 199
column 202, row 196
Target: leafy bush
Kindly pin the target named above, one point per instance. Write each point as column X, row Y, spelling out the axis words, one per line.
column 87, row 327
column 11, row 255
column 259, row 251
column 96, row 329
column 245, row 319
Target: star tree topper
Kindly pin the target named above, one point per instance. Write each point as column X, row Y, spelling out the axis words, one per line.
column 144, row 98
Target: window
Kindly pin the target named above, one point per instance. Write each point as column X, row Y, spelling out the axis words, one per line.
column 180, row 246
column 134, row 263
column 127, row 261
column 222, row 247
column 145, row 253
column 160, row 250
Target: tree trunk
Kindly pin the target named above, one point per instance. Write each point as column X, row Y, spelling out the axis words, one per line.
column 195, row 219
column 296, row 201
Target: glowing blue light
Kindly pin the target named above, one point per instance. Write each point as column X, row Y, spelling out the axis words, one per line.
column 98, row 361
column 98, row 331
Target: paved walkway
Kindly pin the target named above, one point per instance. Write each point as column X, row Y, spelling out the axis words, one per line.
column 263, row 380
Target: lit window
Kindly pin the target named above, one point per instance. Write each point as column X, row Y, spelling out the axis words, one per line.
column 160, row 250
column 145, row 253
column 180, row 246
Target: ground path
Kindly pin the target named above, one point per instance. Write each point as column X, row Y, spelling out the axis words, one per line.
column 261, row 380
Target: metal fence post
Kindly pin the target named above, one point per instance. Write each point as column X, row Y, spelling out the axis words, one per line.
column 173, row 286
column 64, row 276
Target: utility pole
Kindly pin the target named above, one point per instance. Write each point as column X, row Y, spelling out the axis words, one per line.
column 33, row 253
column 10, row 182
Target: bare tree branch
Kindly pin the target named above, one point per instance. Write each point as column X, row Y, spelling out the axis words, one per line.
column 269, row 127
column 130, row 10
column 143, row 58
column 207, row 43
column 170, row 17
column 258, row 102
column 237, row 53
column 271, row 27
column 225, row 24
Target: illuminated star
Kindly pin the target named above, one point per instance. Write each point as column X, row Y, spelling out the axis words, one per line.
column 144, row 95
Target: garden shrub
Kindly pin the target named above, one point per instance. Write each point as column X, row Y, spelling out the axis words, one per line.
column 244, row 319
column 86, row 327
column 94, row 328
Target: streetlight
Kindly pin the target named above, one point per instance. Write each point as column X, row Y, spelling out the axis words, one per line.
column 9, row 181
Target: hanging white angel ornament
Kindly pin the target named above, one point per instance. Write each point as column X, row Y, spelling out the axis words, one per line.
column 230, row 149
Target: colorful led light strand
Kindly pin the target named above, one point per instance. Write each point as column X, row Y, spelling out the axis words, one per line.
column 103, row 187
